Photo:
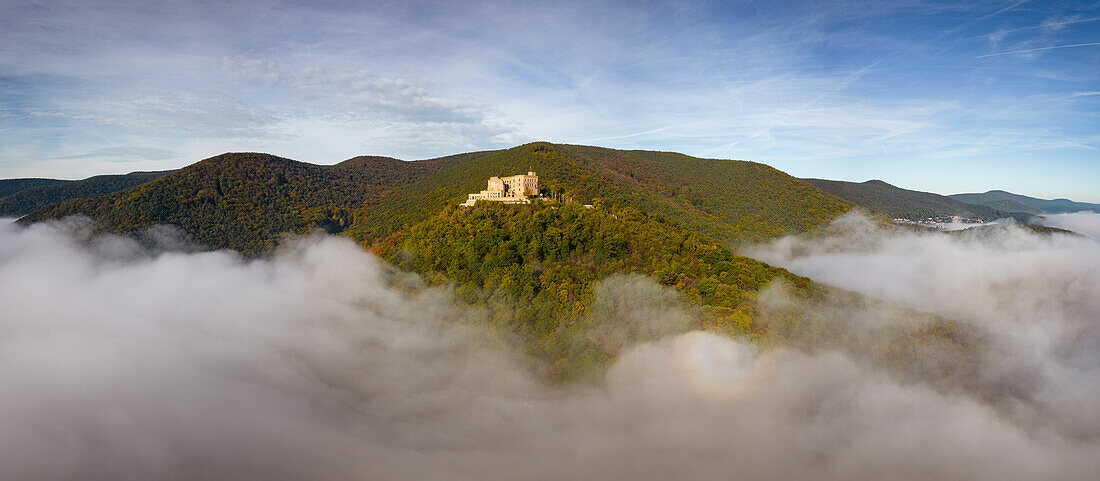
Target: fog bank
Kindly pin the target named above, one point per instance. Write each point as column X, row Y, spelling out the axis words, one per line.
column 121, row 361
column 1084, row 223
column 1033, row 297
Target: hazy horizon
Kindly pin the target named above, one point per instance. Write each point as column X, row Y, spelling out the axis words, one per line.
column 916, row 188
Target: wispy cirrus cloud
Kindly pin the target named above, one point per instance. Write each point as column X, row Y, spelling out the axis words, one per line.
column 1039, row 49
column 125, row 154
column 848, row 84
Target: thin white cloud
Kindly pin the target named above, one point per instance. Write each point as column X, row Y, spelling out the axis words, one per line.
column 1050, row 24
column 124, row 154
column 808, row 81
column 628, row 136
column 1039, row 49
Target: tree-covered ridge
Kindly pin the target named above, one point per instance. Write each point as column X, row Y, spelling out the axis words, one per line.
column 535, row 268
column 246, row 201
column 11, row 186
column 33, row 198
column 726, row 200
column 881, row 198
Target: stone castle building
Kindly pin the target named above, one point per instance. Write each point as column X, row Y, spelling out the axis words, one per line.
column 509, row 190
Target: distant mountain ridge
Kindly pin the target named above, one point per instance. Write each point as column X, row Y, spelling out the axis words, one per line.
column 884, row 199
column 34, row 197
column 1007, row 201
column 11, row 186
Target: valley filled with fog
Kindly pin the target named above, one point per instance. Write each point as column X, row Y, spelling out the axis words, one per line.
column 121, row 360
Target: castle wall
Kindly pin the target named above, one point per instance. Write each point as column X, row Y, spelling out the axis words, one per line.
column 524, row 185
column 510, row 190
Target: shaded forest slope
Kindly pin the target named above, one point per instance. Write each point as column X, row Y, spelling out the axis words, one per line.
column 245, row 201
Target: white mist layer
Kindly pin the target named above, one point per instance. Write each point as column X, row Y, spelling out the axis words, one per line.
column 120, row 363
column 1035, row 297
column 1084, row 223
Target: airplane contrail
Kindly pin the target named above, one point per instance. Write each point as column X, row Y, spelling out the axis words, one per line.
column 627, row 136
column 1039, row 48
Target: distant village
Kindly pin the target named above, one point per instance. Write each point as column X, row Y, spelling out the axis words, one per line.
column 939, row 222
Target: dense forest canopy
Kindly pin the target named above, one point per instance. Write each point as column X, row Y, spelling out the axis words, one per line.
column 246, row 201
column 724, row 199
column 535, row 268
column 553, row 276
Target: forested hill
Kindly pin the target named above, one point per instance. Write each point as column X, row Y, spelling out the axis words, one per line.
column 881, row 198
column 245, row 201
column 1008, row 201
column 11, row 186
column 727, row 200
column 536, row 269
column 576, row 286
column 33, row 198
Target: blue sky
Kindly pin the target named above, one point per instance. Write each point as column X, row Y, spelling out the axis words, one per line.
column 940, row 96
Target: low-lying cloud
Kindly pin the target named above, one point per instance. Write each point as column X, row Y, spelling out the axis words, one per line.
column 1032, row 296
column 119, row 361
column 1085, row 223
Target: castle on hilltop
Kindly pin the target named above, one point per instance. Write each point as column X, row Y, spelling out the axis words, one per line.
column 509, row 190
